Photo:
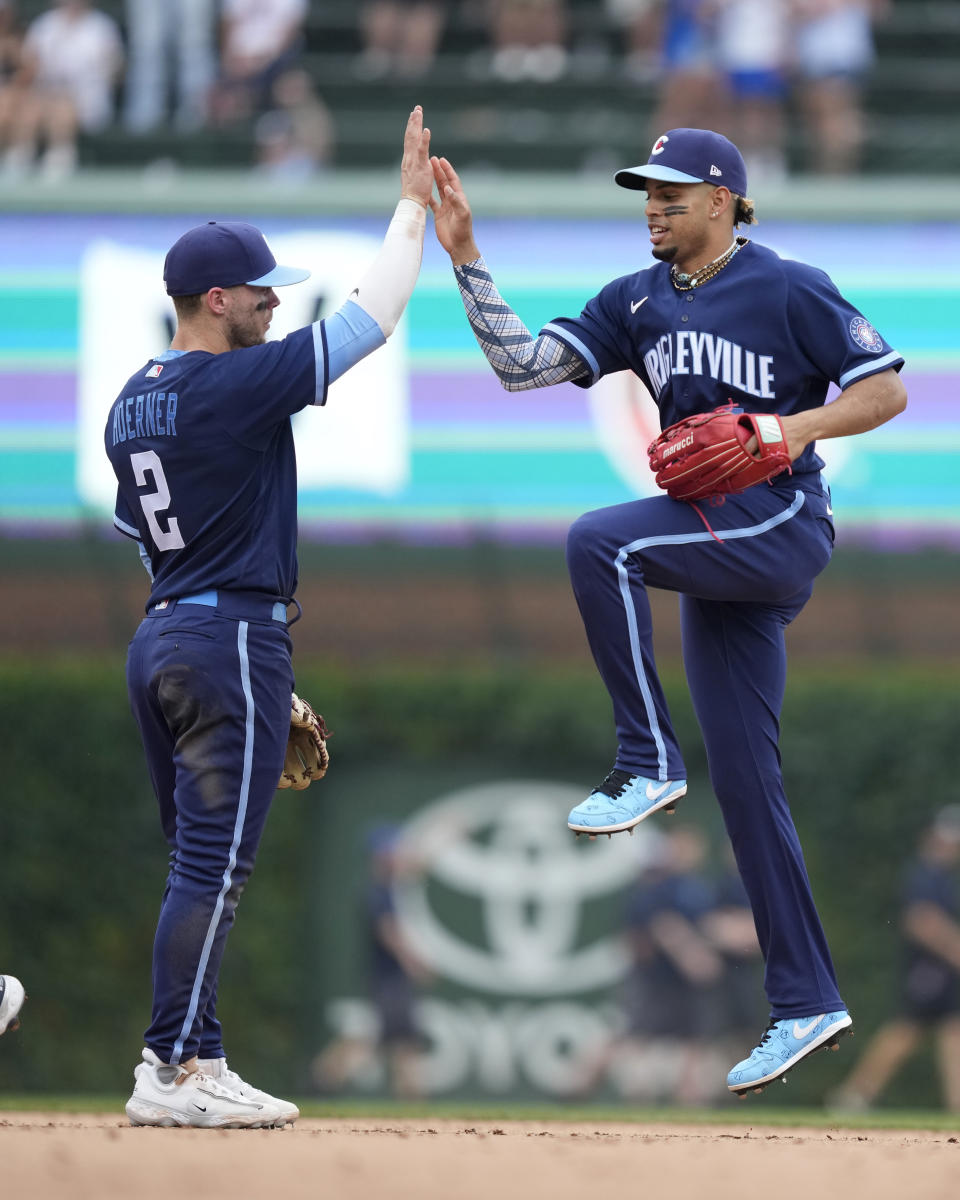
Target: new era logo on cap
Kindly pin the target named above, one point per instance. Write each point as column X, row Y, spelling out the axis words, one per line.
column 690, row 156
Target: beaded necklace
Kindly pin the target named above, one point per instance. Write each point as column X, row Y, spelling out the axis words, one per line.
column 686, row 283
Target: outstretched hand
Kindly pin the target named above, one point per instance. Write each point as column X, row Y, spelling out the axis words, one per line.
column 416, row 173
column 452, row 218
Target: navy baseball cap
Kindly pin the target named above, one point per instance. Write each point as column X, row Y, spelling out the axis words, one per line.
column 690, row 156
column 224, row 254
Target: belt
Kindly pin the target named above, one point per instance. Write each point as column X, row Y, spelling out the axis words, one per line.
column 243, row 605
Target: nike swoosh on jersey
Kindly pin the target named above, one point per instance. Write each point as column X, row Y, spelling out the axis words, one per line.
column 654, row 793
column 802, row 1031
column 635, row 304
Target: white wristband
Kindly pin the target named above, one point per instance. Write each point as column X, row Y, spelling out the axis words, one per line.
column 386, row 287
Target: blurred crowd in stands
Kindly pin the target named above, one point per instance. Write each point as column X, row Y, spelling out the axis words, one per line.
column 736, row 64
column 733, row 65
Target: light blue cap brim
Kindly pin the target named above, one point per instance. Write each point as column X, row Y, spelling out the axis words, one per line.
column 280, row 277
column 634, row 177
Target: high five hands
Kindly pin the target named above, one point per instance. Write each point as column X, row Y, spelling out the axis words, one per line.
column 451, row 209
column 451, row 214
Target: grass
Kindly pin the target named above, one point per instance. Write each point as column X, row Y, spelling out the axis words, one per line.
column 748, row 1115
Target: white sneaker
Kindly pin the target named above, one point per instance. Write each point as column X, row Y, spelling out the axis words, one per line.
column 184, row 1095
column 216, row 1068
column 12, row 997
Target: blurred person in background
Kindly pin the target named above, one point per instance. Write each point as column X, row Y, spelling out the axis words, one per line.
column 296, row 136
column 72, row 58
column 930, row 927
column 12, row 997
column 11, row 57
column 832, row 52
column 172, row 38
column 400, row 37
column 683, row 38
column 731, row 930
column 672, row 989
column 638, row 23
column 259, row 41
column 528, row 38
column 752, row 42
column 396, row 974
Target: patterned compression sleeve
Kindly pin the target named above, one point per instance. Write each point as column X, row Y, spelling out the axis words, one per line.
column 520, row 360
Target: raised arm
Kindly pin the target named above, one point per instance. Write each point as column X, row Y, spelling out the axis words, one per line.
column 520, row 361
column 371, row 312
column 386, row 287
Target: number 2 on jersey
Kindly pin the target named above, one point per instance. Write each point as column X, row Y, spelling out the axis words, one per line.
column 157, row 501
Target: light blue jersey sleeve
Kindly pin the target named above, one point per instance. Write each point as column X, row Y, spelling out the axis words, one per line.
column 123, row 520
column 350, row 334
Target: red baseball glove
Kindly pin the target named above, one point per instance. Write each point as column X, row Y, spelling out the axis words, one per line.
column 706, row 455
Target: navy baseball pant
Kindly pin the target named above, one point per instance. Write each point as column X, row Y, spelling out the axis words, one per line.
column 741, row 582
column 211, row 695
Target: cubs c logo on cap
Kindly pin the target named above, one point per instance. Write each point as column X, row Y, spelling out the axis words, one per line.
column 658, row 145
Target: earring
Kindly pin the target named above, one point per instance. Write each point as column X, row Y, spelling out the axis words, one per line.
column 714, row 214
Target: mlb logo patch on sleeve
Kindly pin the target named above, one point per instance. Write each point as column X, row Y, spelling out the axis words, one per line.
column 864, row 334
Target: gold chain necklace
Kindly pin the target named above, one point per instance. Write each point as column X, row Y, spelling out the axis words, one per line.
column 686, row 283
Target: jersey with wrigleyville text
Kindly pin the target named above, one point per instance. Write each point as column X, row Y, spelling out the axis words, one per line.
column 768, row 333
column 202, row 446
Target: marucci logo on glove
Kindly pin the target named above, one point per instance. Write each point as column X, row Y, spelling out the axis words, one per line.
column 676, row 447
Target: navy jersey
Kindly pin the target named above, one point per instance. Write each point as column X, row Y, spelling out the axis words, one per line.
column 768, row 333
column 380, row 904
column 202, row 446
column 659, row 891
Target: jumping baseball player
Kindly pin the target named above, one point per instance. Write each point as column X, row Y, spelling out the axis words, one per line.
column 201, row 443
column 717, row 321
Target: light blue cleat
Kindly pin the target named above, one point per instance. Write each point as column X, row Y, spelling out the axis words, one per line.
column 783, row 1045
column 622, row 801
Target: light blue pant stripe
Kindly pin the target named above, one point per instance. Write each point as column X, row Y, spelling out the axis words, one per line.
column 676, row 539
column 234, row 846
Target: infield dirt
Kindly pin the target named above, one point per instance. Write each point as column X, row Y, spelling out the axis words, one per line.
column 86, row 1157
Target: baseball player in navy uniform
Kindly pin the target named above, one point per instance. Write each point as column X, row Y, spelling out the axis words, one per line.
column 716, row 318
column 201, row 443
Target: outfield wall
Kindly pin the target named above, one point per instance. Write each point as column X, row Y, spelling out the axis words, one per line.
column 420, row 441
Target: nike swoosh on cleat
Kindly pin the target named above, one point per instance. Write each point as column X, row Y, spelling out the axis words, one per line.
column 635, row 304
column 802, row 1031
column 655, row 793
column 200, row 1106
